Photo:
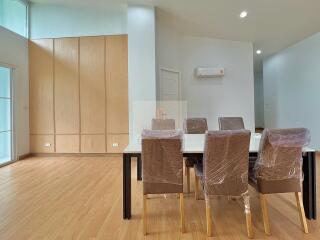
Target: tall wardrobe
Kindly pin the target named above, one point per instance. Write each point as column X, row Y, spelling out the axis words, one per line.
column 79, row 94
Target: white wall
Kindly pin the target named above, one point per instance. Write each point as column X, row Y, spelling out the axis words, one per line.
column 14, row 53
column 232, row 95
column 291, row 88
column 142, row 79
column 53, row 21
column 259, row 99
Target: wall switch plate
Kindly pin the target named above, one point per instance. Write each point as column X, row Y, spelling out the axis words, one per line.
column 47, row 144
column 115, row 144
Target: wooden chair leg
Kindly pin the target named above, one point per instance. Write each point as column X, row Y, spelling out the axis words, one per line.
column 196, row 186
column 248, row 216
column 188, row 179
column 301, row 212
column 182, row 226
column 144, row 214
column 265, row 214
column 209, row 219
column 249, row 225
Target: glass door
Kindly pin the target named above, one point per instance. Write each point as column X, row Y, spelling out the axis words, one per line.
column 5, row 116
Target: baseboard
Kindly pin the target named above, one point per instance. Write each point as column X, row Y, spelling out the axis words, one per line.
column 76, row 155
column 24, row 156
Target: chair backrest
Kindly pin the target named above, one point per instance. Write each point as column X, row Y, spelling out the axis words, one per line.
column 162, row 157
column 225, row 163
column 280, row 153
column 163, row 124
column 195, row 125
column 231, row 123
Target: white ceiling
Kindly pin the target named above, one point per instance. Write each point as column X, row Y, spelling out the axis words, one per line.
column 271, row 25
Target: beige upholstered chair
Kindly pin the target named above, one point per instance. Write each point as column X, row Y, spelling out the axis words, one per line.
column 231, row 123
column 278, row 168
column 225, row 169
column 163, row 124
column 162, row 167
column 193, row 126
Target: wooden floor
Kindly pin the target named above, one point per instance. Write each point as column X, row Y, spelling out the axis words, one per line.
column 81, row 198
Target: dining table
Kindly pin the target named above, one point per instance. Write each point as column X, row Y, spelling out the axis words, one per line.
column 193, row 146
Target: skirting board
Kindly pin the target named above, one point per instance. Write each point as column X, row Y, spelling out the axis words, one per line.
column 75, row 155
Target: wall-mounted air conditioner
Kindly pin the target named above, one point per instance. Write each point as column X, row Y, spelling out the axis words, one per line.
column 209, row 72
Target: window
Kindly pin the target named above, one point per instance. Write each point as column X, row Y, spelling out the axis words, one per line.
column 14, row 15
column 5, row 116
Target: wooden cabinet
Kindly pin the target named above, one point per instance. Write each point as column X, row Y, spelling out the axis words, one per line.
column 67, row 143
column 41, row 86
column 66, row 86
column 42, row 143
column 117, row 84
column 92, row 85
column 116, row 143
column 79, row 94
column 93, row 143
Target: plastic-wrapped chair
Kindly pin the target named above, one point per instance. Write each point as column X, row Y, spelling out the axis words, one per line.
column 225, row 169
column 163, row 124
column 193, row 126
column 162, row 168
column 231, row 123
column 278, row 168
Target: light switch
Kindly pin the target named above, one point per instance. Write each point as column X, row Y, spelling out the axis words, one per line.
column 47, row 144
column 115, row 144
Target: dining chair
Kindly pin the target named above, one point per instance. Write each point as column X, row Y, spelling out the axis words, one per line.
column 163, row 124
column 193, row 126
column 231, row 123
column 224, row 171
column 278, row 168
column 162, row 168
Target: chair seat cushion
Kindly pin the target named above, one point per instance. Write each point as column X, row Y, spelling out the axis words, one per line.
column 276, row 186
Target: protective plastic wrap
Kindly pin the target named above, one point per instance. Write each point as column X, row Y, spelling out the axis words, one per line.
column 162, row 158
column 280, row 154
column 195, row 125
column 163, row 124
column 225, row 163
column 231, row 123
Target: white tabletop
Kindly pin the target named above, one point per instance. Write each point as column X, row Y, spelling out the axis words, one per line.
column 194, row 143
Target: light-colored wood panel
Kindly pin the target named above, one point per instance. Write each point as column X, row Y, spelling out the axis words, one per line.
column 66, row 74
column 93, row 143
column 42, row 143
column 92, row 85
column 41, row 86
column 67, row 144
column 117, row 84
column 116, row 143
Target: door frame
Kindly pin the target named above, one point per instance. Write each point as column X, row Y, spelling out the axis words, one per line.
column 161, row 84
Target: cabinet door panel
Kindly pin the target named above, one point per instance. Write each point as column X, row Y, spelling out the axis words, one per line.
column 116, row 143
column 66, row 76
column 93, row 143
column 67, row 143
column 92, row 85
column 42, row 143
column 117, row 84
column 41, row 86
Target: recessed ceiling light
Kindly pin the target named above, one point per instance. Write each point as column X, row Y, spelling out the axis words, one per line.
column 258, row 51
column 243, row 14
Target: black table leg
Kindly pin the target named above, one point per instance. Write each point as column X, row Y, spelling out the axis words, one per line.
column 309, row 185
column 126, row 186
column 139, row 168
